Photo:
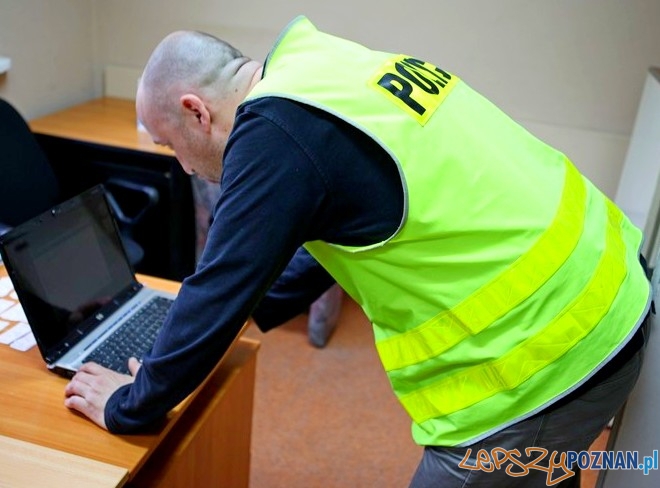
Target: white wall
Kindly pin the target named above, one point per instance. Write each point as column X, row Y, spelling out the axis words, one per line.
column 637, row 193
column 570, row 71
column 50, row 43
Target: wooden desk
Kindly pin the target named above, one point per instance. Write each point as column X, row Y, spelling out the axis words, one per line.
column 107, row 121
column 205, row 441
column 92, row 142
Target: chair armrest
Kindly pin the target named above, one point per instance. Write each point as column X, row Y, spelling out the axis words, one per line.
column 130, row 200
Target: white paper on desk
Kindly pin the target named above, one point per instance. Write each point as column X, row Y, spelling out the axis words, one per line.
column 3, row 324
column 24, row 343
column 16, row 332
column 13, row 295
column 5, row 304
column 5, row 286
column 14, row 314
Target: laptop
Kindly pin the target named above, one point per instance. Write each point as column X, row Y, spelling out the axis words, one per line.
column 78, row 289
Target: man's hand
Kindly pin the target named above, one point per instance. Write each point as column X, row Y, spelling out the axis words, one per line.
column 89, row 390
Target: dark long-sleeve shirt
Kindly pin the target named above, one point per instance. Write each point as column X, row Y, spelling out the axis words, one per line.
column 291, row 174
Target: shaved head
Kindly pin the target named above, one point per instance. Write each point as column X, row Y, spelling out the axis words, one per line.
column 187, row 61
column 188, row 95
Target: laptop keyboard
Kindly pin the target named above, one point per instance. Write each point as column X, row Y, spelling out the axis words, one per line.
column 134, row 338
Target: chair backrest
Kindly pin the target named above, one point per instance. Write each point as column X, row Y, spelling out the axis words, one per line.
column 28, row 185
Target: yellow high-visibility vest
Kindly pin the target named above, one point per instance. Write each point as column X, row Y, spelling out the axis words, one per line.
column 511, row 278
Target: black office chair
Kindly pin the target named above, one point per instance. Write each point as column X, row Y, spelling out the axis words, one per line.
column 29, row 186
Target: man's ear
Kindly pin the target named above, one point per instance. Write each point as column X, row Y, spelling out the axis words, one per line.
column 193, row 106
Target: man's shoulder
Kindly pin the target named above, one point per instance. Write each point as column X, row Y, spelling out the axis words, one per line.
column 279, row 107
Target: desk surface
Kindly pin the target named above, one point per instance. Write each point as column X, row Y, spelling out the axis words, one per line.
column 22, row 463
column 32, row 407
column 108, row 121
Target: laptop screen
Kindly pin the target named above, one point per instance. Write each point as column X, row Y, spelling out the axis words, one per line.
column 68, row 267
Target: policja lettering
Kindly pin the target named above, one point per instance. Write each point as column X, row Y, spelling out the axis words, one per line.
column 414, row 85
